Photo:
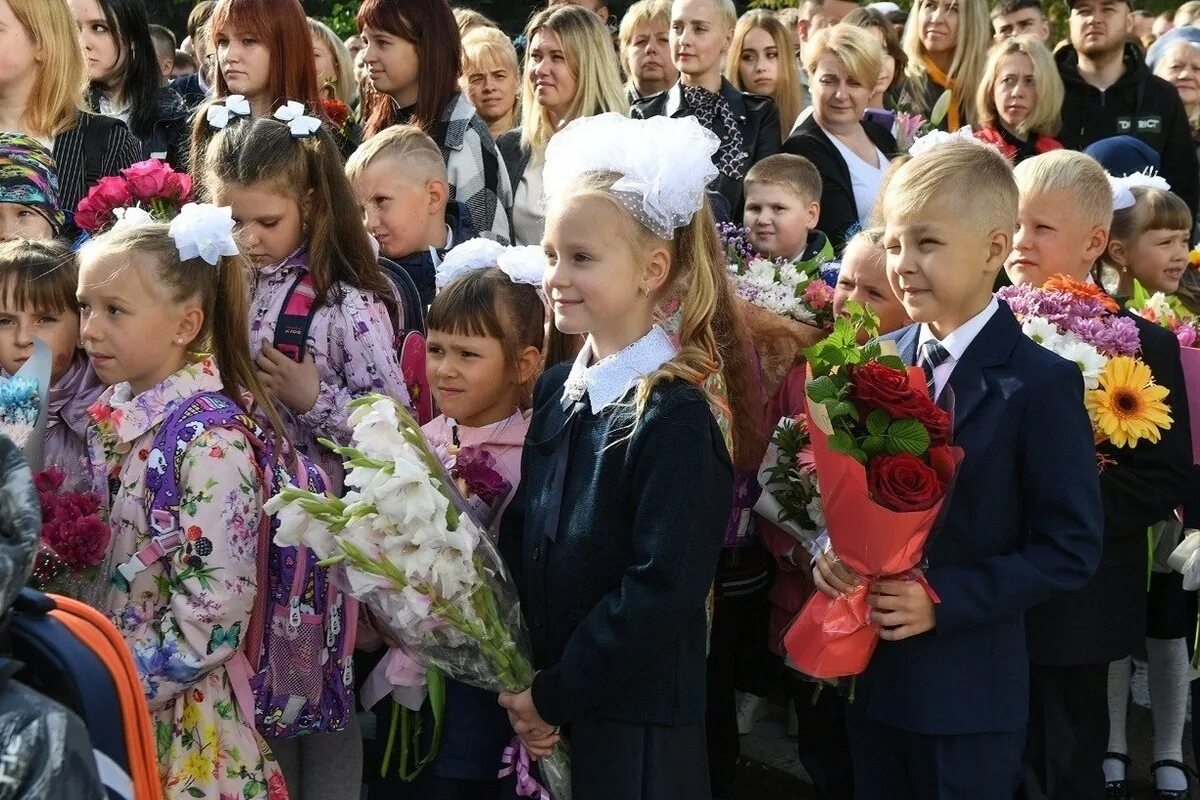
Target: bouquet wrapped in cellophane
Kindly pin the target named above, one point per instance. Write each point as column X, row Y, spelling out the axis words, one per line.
column 406, row 548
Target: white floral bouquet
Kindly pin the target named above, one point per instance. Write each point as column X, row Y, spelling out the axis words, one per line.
column 404, row 546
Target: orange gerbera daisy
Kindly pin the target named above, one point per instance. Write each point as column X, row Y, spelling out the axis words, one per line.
column 1089, row 291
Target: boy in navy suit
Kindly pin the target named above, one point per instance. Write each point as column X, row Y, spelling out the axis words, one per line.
column 1064, row 215
column 941, row 711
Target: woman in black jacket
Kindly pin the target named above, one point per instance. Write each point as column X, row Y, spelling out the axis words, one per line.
column 851, row 154
column 747, row 124
column 125, row 81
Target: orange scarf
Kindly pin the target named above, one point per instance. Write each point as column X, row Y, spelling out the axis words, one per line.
column 953, row 122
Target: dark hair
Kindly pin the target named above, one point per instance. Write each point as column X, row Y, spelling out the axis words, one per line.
column 163, row 35
column 429, row 25
column 142, row 81
column 1005, row 7
column 186, row 60
column 38, row 275
column 262, row 150
column 223, row 296
column 486, row 302
column 870, row 19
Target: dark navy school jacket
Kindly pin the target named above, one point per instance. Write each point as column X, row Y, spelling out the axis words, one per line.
column 616, row 602
column 1024, row 524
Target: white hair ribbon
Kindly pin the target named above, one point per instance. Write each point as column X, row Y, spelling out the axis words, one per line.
column 203, row 230
column 221, row 114
column 1122, row 188
column 300, row 124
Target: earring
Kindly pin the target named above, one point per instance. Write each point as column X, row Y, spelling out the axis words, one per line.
column 179, row 341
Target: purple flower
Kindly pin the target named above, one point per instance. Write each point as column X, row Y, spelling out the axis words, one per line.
column 1087, row 318
column 477, row 468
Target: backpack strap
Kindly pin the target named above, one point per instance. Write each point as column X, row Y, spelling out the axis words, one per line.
column 96, row 133
column 408, row 296
column 291, row 330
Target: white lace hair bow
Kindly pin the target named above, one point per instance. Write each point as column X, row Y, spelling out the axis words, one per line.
column 935, row 138
column 520, row 264
column 300, row 124
column 664, row 163
column 205, row 231
column 1122, row 188
column 221, row 114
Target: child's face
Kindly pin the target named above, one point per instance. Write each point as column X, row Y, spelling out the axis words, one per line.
column 595, row 287
column 778, row 220
column 22, row 222
column 245, row 63
column 403, row 214
column 270, row 223
column 863, row 279
column 130, row 329
column 1052, row 239
column 940, row 267
column 471, row 379
column 59, row 330
column 1158, row 258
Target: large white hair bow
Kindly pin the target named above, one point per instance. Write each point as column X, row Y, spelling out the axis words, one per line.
column 221, row 114
column 665, row 164
column 936, row 138
column 1122, row 188
column 300, row 124
column 205, row 231
column 521, row 264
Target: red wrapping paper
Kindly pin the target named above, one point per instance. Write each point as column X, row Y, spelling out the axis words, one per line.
column 834, row 637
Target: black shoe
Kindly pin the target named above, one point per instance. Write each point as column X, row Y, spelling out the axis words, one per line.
column 1117, row 790
column 1168, row 794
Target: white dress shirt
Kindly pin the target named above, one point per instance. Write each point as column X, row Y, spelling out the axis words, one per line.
column 955, row 344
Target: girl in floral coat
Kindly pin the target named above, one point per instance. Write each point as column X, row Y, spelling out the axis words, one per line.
column 291, row 199
column 148, row 311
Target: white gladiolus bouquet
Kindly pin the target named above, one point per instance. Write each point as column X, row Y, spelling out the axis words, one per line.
column 405, row 548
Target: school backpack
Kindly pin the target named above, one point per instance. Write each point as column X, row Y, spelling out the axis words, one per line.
column 72, row 654
column 291, row 331
column 293, row 674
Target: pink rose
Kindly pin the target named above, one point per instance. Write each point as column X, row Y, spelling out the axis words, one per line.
column 146, row 179
column 112, row 192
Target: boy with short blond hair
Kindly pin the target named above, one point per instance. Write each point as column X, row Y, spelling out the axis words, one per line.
column 941, row 709
column 400, row 180
column 783, row 204
column 1064, row 217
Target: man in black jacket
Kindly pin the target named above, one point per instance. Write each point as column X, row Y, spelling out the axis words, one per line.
column 1110, row 91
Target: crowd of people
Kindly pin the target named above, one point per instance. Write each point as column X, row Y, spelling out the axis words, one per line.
column 349, row 194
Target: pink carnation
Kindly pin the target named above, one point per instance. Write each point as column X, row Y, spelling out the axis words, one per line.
column 818, row 295
column 80, row 544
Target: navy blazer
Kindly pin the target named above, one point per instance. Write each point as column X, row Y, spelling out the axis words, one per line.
column 1023, row 524
column 1106, row 620
column 616, row 600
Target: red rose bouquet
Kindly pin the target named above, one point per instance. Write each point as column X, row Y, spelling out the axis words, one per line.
column 884, row 465
column 150, row 186
column 74, row 541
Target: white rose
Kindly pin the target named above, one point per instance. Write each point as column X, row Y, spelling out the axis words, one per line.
column 761, row 270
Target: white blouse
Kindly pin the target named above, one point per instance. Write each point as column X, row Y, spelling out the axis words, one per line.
column 864, row 178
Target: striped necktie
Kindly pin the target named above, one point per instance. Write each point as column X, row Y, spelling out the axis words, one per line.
column 932, row 356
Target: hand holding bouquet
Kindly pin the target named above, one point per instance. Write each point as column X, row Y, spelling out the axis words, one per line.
column 427, row 571
column 884, row 465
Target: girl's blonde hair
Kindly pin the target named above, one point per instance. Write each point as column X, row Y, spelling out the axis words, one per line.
column 1154, row 210
column 1045, row 119
column 58, row 90
column 856, row 47
column 485, row 45
column 346, row 87
column 787, row 80
column 486, row 302
column 711, row 335
column 38, row 275
column 220, row 291
column 588, row 48
column 970, row 53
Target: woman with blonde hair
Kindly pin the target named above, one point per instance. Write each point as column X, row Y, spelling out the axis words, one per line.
column 947, row 44
column 760, row 61
column 644, row 42
column 335, row 66
column 490, row 77
column 570, row 72
column 43, row 86
column 1020, row 99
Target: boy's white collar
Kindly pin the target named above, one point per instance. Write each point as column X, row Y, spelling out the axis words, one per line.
column 609, row 379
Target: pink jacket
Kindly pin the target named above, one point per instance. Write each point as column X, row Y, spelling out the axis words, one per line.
column 503, row 440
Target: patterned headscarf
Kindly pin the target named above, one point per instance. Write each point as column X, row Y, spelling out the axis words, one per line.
column 28, row 176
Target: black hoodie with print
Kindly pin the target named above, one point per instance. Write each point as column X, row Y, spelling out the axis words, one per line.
column 1139, row 104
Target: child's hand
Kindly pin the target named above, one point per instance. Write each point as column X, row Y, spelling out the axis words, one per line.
column 295, row 384
column 901, row 609
column 833, row 577
column 538, row 736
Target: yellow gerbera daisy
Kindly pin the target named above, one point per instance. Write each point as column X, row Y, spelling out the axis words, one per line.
column 1128, row 406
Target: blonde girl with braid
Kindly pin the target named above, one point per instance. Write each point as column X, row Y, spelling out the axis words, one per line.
column 626, row 479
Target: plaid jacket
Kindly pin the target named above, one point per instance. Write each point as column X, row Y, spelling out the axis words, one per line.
column 475, row 168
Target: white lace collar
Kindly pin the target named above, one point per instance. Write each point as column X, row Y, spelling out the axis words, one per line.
column 609, row 379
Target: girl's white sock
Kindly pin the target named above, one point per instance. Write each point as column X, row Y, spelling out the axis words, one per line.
column 1118, row 709
column 1168, row 662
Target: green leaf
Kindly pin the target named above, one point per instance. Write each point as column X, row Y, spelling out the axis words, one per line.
column 823, row 389
column 877, row 422
column 874, row 445
column 907, row 436
column 842, row 442
column 253, row 788
column 859, row 455
column 195, row 791
column 895, row 362
column 843, row 408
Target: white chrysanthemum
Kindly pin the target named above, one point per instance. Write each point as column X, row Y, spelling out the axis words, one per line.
column 1090, row 361
column 761, row 270
column 1041, row 331
column 790, row 276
